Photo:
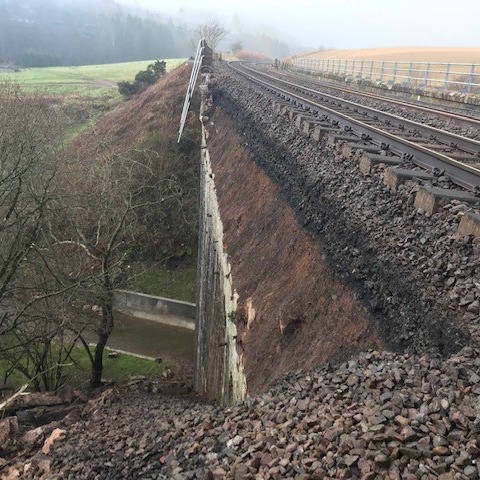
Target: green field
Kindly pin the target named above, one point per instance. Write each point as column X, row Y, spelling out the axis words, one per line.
column 179, row 283
column 88, row 79
column 77, row 372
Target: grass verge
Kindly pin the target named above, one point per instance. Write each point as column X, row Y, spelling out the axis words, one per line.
column 179, row 283
column 117, row 369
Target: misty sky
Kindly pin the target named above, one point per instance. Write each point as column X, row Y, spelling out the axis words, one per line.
column 351, row 23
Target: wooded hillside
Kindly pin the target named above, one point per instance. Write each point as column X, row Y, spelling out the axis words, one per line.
column 81, row 32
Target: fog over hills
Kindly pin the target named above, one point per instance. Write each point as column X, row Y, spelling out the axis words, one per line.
column 56, row 32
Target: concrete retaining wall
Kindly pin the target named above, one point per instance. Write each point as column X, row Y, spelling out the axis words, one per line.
column 163, row 310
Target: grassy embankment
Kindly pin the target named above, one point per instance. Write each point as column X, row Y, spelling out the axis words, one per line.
column 88, row 79
column 85, row 93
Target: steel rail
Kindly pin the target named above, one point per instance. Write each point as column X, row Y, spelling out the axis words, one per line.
column 447, row 138
column 460, row 173
column 463, row 119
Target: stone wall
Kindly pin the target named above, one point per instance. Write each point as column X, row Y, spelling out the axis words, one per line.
column 218, row 370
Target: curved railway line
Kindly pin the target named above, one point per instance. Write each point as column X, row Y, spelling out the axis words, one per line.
column 407, row 142
column 449, row 113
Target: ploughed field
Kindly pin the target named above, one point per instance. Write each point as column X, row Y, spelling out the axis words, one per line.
column 402, row 54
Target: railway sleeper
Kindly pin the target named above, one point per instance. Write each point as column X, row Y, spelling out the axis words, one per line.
column 351, row 147
column 293, row 112
column 394, row 177
column 278, row 105
column 369, row 160
column 333, row 138
column 303, row 116
column 310, row 124
column 430, row 199
column 469, row 224
column 319, row 131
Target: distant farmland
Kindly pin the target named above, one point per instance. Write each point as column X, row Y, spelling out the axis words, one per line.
column 92, row 79
column 406, row 54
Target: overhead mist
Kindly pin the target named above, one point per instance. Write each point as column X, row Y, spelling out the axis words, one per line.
column 43, row 33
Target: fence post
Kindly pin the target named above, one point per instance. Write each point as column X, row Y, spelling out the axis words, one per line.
column 353, row 69
column 427, row 75
column 371, row 71
column 395, row 72
column 471, row 78
column 361, row 68
column 410, row 73
column 382, row 70
column 447, row 72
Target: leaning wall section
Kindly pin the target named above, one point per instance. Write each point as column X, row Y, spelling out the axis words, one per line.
column 219, row 374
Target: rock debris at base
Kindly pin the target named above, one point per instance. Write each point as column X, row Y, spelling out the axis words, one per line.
column 379, row 415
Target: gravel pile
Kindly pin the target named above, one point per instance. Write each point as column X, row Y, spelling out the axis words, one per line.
column 378, row 416
column 417, row 278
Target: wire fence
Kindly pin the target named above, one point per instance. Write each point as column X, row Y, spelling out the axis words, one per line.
column 203, row 56
column 461, row 77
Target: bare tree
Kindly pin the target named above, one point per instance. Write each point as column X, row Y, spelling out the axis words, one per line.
column 111, row 195
column 32, row 315
column 213, row 32
column 236, row 46
column 29, row 138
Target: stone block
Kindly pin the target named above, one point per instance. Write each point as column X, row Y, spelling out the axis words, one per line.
column 394, row 177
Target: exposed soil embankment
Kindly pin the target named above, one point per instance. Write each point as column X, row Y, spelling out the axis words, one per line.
column 380, row 247
column 293, row 311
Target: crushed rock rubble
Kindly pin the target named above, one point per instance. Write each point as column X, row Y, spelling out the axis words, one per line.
column 380, row 415
column 419, row 280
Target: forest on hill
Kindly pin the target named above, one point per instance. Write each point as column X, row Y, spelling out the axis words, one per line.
column 82, row 32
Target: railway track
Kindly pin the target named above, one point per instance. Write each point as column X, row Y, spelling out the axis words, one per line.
column 407, row 142
column 461, row 116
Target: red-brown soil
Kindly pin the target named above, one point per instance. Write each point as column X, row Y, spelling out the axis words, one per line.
column 293, row 312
